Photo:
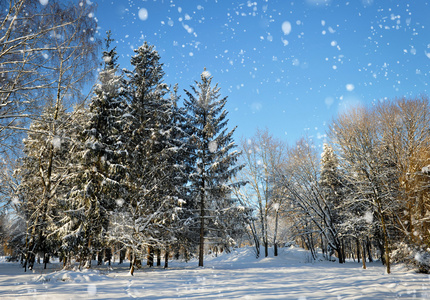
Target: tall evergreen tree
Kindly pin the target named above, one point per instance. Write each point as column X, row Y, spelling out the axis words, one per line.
column 330, row 183
column 42, row 175
column 214, row 158
column 101, row 166
column 154, row 149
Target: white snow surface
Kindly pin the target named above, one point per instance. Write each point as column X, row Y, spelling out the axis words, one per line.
column 237, row 275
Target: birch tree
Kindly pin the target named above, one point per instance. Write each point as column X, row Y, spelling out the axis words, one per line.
column 71, row 63
column 43, row 49
column 262, row 155
column 299, row 177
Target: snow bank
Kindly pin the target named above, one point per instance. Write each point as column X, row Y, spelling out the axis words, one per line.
column 83, row 276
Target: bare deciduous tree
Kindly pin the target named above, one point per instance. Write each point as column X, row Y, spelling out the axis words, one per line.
column 262, row 154
column 58, row 71
column 41, row 53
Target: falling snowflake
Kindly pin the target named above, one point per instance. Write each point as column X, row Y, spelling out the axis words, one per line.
column 368, row 217
column 143, row 14
column 56, row 142
column 213, row 146
column 286, row 27
column 350, row 87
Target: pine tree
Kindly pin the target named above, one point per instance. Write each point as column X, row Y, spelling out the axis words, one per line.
column 110, row 56
column 330, row 183
column 214, row 158
column 155, row 148
column 42, row 175
column 177, row 215
column 99, row 186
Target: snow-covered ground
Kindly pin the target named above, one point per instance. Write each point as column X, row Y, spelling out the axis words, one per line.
column 237, row 275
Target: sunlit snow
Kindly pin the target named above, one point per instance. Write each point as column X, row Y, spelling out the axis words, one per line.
column 236, row 275
column 206, row 73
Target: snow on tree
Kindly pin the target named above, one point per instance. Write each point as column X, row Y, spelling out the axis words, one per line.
column 331, row 186
column 154, row 147
column 309, row 212
column 100, row 164
column 213, row 156
column 31, row 57
column 262, row 155
column 42, row 175
column 404, row 126
column 370, row 172
column 69, row 66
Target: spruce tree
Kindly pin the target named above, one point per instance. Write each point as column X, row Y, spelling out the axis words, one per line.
column 154, row 147
column 100, row 170
column 331, row 185
column 42, row 175
column 213, row 156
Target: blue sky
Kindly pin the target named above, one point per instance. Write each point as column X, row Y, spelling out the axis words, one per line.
column 290, row 66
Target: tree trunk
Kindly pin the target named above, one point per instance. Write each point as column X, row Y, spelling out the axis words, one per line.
column 256, row 240
column 323, row 248
column 150, row 256
column 31, row 259
column 357, row 241
column 340, row 253
column 369, row 250
column 45, row 260
column 166, row 259
column 386, row 242
column 387, row 248
column 363, row 254
column 158, row 257
column 64, row 261
column 275, row 244
column 90, row 255
column 132, row 263
column 99, row 258
column 108, row 255
column 343, row 251
column 202, row 226
column 121, row 256
column 263, row 228
column 24, row 265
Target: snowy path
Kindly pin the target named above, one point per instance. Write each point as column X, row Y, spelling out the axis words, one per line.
column 235, row 276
